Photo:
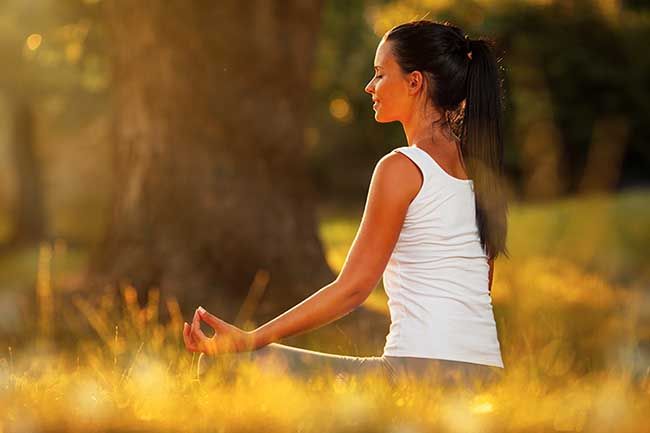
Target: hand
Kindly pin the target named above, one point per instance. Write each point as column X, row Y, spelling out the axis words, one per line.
column 226, row 339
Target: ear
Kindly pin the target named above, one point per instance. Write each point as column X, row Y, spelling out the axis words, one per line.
column 415, row 82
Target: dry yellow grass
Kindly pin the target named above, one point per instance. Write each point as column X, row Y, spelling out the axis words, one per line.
column 576, row 346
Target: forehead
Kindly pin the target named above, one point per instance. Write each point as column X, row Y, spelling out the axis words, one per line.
column 384, row 55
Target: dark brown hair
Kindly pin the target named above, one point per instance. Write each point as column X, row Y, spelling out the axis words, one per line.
column 468, row 92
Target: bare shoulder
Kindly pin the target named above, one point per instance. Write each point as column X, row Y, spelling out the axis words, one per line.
column 401, row 173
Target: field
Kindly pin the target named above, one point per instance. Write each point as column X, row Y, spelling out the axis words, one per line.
column 572, row 307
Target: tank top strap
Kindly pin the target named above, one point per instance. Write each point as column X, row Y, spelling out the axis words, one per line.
column 431, row 168
column 419, row 159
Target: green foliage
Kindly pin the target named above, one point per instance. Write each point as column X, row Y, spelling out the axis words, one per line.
column 591, row 66
column 341, row 160
column 592, row 69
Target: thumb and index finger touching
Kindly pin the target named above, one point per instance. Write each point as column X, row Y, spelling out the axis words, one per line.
column 189, row 330
column 194, row 327
column 212, row 320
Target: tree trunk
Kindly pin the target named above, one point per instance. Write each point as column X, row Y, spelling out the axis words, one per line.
column 28, row 209
column 541, row 146
column 605, row 157
column 210, row 181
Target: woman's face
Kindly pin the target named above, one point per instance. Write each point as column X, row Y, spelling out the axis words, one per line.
column 389, row 87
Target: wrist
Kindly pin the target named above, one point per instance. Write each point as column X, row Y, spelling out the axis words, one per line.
column 257, row 339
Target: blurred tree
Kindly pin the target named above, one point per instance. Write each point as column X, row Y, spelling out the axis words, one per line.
column 580, row 100
column 343, row 121
column 211, row 192
column 46, row 43
column 28, row 210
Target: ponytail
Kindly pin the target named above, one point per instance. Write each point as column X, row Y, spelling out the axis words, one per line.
column 442, row 52
column 482, row 146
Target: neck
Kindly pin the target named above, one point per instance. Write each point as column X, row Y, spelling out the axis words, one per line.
column 420, row 129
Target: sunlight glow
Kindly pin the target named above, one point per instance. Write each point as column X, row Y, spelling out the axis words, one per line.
column 571, row 340
column 34, row 41
column 485, row 407
column 73, row 52
column 44, row 288
column 88, row 400
column 456, row 416
column 340, row 109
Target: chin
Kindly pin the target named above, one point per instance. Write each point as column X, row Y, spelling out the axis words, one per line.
column 383, row 119
column 382, row 116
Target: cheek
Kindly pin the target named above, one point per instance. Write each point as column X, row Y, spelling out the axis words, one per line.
column 381, row 91
column 387, row 89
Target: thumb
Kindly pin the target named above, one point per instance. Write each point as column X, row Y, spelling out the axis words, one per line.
column 212, row 320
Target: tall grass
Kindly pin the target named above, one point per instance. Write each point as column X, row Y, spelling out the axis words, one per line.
column 575, row 339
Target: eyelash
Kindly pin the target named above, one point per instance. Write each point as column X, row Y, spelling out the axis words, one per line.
column 378, row 76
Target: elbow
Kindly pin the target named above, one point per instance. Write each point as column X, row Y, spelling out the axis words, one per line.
column 360, row 295
column 356, row 294
column 363, row 294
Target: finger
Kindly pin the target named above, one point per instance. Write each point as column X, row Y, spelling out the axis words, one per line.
column 195, row 323
column 198, row 336
column 187, row 337
column 197, row 317
column 185, row 331
column 196, row 327
column 212, row 320
column 189, row 344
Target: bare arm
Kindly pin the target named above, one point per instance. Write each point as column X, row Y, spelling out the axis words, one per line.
column 491, row 263
column 325, row 306
column 395, row 182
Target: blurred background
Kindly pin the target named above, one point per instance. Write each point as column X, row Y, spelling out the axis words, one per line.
column 175, row 154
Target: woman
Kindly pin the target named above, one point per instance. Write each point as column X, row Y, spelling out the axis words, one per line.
column 434, row 221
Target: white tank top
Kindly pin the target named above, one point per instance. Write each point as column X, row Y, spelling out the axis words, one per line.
column 437, row 277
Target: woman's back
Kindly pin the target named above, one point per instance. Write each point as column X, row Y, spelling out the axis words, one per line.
column 437, row 277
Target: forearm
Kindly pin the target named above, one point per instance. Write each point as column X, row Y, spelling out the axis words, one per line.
column 491, row 263
column 325, row 306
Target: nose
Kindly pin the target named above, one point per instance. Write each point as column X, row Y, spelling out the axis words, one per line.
column 369, row 88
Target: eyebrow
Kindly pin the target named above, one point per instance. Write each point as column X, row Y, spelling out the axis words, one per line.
column 378, row 67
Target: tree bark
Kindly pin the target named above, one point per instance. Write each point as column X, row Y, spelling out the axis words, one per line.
column 28, row 209
column 210, row 184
